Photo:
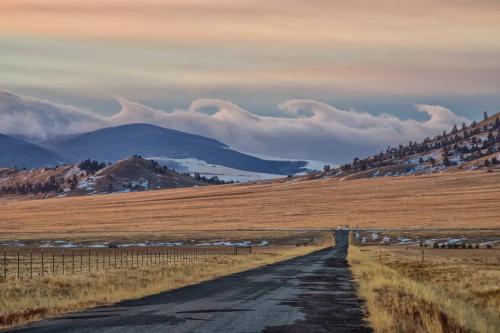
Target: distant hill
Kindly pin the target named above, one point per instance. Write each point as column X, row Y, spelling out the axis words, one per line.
column 128, row 175
column 138, row 174
column 18, row 153
column 116, row 143
column 464, row 147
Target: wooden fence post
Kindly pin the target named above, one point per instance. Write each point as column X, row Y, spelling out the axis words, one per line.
column 53, row 264
column 18, row 265
column 63, row 262
column 31, row 265
column 5, row 265
column 43, row 265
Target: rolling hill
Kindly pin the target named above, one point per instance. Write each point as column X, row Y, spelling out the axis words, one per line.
column 21, row 154
column 115, row 143
column 133, row 174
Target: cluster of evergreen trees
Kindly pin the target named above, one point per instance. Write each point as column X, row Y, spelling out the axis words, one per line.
column 91, row 166
column 52, row 185
column 156, row 167
column 214, row 180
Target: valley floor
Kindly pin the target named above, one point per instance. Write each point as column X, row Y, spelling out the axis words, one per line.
column 446, row 200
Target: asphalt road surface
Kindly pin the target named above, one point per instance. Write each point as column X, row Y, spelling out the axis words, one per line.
column 313, row 293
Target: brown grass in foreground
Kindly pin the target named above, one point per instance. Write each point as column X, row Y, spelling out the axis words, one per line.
column 452, row 291
column 447, row 200
column 24, row 301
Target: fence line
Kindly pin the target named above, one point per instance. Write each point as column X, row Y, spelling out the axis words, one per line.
column 40, row 263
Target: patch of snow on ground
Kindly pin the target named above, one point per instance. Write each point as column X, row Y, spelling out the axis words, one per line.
column 490, row 243
column 71, row 172
column 446, row 241
column 386, row 239
column 150, row 244
column 14, row 243
column 227, row 243
column 208, row 170
column 87, row 185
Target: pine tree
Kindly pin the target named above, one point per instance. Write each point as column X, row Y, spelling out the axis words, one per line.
column 446, row 161
column 485, row 115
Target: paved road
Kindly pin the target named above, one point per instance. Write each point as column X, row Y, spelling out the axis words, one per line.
column 313, row 293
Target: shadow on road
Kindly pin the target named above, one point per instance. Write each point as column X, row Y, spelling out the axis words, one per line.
column 329, row 300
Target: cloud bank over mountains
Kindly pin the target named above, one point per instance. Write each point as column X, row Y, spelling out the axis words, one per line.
column 307, row 130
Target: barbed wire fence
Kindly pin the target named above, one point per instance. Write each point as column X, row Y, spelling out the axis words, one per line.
column 20, row 264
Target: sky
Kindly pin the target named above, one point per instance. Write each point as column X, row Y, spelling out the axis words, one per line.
column 381, row 59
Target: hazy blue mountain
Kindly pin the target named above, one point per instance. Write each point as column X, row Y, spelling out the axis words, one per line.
column 115, row 143
column 16, row 152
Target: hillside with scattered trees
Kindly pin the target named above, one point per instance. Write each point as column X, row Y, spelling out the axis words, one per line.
column 94, row 177
column 463, row 147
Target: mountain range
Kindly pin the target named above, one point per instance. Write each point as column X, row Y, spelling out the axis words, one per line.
column 22, row 154
column 115, row 143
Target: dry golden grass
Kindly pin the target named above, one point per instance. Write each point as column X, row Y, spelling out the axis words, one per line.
column 448, row 200
column 452, row 291
column 28, row 300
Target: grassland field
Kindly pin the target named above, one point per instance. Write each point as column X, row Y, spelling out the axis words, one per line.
column 446, row 200
column 446, row 290
column 401, row 292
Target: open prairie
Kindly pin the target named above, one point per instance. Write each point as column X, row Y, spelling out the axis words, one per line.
column 446, row 200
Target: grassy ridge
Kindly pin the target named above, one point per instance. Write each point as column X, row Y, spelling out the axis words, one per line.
column 29, row 300
column 452, row 293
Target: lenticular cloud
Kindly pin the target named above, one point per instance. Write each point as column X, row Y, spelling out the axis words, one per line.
column 307, row 129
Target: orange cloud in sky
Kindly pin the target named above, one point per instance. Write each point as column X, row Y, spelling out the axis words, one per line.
column 412, row 47
column 424, row 23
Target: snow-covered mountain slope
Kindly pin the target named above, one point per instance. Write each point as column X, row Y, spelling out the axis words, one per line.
column 192, row 166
